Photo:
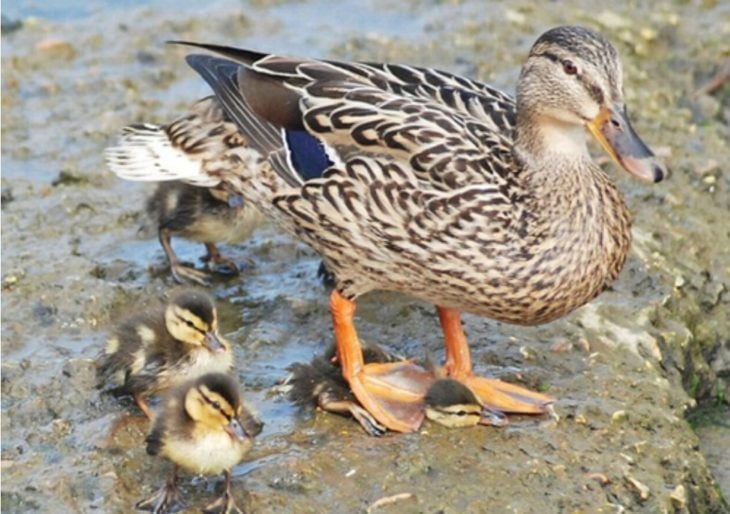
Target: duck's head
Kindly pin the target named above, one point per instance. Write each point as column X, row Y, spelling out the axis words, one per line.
column 191, row 318
column 452, row 404
column 573, row 80
column 213, row 402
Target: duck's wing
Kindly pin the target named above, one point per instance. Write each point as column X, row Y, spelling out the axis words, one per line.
column 307, row 115
column 194, row 148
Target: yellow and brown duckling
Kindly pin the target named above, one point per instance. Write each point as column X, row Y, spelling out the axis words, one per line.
column 206, row 139
column 157, row 350
column 203, row 428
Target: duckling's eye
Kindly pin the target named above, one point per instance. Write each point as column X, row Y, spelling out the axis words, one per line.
column 216, row 405
column 569, row 67
column 189, row 323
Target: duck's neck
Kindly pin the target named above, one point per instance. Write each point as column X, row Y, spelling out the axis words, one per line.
column 578, row 207
column 557, row 168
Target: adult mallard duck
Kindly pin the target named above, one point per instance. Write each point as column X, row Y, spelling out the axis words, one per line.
column 420, row 181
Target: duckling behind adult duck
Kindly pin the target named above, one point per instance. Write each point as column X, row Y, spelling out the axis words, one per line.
column 204, row 428
column 163, row 347
column 434, row 185
column 204, row 138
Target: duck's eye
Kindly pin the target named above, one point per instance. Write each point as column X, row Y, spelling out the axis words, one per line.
column 569, row 67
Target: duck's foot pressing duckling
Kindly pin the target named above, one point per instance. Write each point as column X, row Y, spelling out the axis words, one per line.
column 218, row 263
column 226, row 503
column 167, row 499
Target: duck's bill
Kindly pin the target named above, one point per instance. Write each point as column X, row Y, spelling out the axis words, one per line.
column 213, row 342
column 612, row 129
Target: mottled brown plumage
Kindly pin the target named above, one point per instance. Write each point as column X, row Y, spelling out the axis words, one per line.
column 442, row 188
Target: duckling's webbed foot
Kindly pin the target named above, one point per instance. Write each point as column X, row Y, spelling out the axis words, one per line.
column 225, row 504
column 217, row 263
column 184, row 274
column 180, row 272
column 330, row 403
column 167, row 499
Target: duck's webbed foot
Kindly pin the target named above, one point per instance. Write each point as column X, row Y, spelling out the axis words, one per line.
column 217, row 263
column 167, row 499
column 392, row 393
column 494, row 394
column 226, row 503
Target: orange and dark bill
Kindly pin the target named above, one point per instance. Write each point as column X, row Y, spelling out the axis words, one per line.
column 612, row 129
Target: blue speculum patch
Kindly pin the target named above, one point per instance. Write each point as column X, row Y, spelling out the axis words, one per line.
column 308, row 155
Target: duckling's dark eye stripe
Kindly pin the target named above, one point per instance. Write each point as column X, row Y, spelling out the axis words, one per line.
column 191, row 324
column 216, row 405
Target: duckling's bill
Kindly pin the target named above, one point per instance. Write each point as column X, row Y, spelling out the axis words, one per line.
column 214, row 343
column 614, row 131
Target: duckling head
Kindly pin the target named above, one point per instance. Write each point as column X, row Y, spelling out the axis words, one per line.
column 572, row 81
column 452, row 404
column 191, row 318
column 214, row 404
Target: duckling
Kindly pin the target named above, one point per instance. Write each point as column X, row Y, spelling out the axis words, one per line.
column 206, row 215
column 203, row 139
column 157, row 350
column 320, row 382
column 204, row 428
column 450, row 403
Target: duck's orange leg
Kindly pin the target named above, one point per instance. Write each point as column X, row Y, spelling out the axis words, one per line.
column 493, row 393
column 392, row 392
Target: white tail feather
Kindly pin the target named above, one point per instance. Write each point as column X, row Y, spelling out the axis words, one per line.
column 146, row 154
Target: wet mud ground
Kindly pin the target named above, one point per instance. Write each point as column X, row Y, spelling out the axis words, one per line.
column 635, row 372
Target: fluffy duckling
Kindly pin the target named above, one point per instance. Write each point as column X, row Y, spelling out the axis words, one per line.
column 159, row 349
column 204, row 428
column 203, row 139
column 320, row 383
column 450, row 403
column 204, row 215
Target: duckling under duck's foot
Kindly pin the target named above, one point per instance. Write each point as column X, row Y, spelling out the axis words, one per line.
column 391, row 392
column 226, row 503
column 167, row 499
column 493, row 393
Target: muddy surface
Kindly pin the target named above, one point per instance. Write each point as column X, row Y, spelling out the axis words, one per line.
column 627, row 369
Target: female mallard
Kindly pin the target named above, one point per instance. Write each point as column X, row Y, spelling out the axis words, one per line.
column 434, row 185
